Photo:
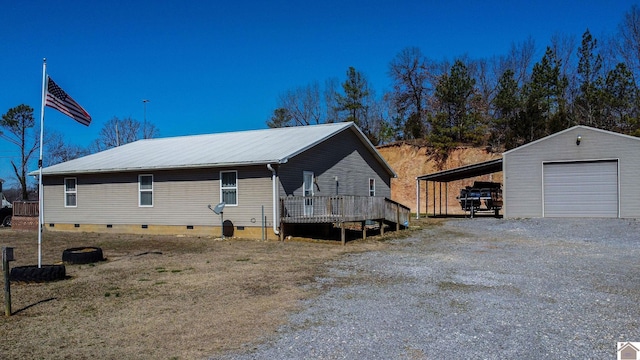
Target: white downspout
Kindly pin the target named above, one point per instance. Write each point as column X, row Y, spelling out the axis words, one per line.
column 275, row 199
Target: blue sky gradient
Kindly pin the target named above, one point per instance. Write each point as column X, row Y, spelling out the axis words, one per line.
column 217, row 66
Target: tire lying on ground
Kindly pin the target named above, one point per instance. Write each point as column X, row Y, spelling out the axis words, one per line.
column 33, row 273
column 82, row 255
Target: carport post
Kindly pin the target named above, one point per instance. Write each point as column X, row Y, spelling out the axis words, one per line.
column 446, row 198
column 440, row 197
column 434, row 198
column 417, row 198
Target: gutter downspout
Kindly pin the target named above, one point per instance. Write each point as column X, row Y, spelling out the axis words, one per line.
column 276, row 218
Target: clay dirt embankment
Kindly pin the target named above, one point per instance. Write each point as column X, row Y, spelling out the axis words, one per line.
column 410, row 161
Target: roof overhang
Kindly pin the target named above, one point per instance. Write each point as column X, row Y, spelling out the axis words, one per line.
column 464, row 172
column 159, row 168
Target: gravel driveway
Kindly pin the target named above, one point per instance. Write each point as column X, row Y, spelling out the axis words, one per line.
column 476, row 288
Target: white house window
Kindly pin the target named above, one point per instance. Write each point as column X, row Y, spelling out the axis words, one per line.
column 372, row 187
column 145, row 187
column 70, row 192
column 229, row 187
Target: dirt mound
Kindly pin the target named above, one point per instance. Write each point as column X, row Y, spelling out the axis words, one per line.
column 411, row 160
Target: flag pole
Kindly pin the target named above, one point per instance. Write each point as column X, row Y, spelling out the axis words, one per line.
column 40, row 187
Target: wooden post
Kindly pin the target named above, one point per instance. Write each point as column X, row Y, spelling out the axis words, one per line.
column 381, row 227
column 7, row 255
column 342, row 231
column 364, row 229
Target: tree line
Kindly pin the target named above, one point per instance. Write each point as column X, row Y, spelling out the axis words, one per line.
column 500, row 103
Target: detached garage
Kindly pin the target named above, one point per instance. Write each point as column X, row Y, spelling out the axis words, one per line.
column 578, row 172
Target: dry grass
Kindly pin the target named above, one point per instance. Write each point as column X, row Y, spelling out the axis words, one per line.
column 159, row 297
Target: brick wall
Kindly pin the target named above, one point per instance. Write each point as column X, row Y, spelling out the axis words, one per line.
column 29, row 223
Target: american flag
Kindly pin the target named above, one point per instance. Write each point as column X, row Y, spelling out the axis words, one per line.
column 59, row 100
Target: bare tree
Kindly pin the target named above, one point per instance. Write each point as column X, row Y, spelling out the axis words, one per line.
column 412, row 81
column 302, row 104
column 629, row 39
column 149, row 130
column 564, row 47
column 18, row 123
column 486, row 84
column 331, row 87
column 116, row 132
column 59, row 151
column 519, row 60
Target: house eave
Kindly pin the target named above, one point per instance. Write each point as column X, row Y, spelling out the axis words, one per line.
column 160, row 168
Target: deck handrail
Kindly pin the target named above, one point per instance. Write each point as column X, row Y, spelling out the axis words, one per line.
column 26, row 208
column 342, row 208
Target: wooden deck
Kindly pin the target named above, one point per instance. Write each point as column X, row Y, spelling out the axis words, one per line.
column 25, row 208
column 342, row 209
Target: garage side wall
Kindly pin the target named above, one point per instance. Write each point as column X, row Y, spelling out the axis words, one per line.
column 523, row 168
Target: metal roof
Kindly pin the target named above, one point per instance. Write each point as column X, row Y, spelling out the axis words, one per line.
column 252, row 147
column 568, row 130
column 464, row 172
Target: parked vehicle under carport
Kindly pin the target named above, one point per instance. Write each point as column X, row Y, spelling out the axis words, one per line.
column 489, row 194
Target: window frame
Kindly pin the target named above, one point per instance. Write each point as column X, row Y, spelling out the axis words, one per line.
column 69, row 192
column 141, row 190
column 227, row 188
column 372, row 189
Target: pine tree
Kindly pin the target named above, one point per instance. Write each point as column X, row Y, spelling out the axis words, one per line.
column 454, row 93
column 620, row 97
column 545, row 105
column 588, row 104
column 507, row 106
column 355, row 90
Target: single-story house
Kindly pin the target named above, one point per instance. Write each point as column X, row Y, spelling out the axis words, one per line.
column 578, row 172
column 171, row 185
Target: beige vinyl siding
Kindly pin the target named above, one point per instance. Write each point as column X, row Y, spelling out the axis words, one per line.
column 523, row 166
column 180, row 197
column 336, row 156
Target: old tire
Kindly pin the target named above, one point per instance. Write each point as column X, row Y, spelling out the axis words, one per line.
column 82, row 255
column 6, row 222
column 33, row 273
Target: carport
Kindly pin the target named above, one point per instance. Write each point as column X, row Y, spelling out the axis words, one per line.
column 446, row 176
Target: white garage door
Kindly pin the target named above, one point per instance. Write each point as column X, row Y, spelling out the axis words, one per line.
column 581, row 189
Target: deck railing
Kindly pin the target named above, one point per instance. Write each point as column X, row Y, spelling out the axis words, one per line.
column 25, row 208
column 344, row 208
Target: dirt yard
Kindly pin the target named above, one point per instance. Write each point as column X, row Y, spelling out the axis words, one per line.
column 159, row 297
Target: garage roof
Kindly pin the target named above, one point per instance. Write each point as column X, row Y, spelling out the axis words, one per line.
column 464, row 172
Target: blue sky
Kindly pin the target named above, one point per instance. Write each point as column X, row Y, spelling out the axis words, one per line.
column 216, row 66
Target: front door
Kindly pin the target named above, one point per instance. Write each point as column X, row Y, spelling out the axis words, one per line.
column 307, row 189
